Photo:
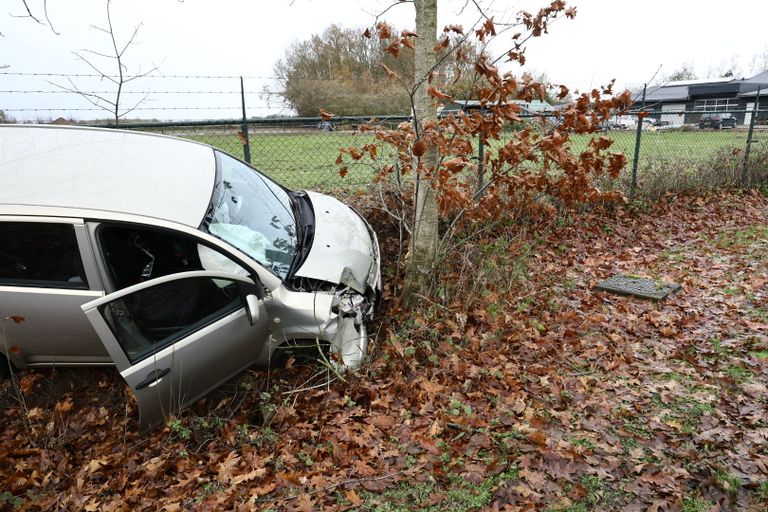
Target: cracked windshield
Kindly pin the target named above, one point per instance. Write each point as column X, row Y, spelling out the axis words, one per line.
column 254, row 214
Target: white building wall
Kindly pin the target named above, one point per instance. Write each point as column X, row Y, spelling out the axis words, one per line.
column 673, row 119
column 748, row 115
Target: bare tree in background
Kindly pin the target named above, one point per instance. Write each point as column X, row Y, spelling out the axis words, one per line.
column 759, row 62
column 119, row 76
column 684, row 72
column 726, row 69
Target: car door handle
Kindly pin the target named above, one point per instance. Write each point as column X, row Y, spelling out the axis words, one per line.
column 154, row 377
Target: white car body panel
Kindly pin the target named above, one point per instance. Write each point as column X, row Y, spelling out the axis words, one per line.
column 342, row 251
column 107, row 170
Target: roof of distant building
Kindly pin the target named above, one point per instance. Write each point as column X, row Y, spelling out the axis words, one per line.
column 684, row 90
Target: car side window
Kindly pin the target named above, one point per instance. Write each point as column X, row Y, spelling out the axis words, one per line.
column 38, row 254
column 150, row 319
column 134, row 254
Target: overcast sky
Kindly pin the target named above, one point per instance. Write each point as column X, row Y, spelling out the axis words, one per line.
column 608, row 39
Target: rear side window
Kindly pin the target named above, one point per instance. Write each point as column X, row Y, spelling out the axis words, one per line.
column 40, row 254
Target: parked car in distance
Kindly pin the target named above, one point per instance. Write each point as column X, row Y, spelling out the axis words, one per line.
column 612, row 125
column 173, row 261
column 326, row 126
column 717, row 121
column 631, row 123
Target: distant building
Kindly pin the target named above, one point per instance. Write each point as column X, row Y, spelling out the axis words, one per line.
column 711, row 95
column 526, row 107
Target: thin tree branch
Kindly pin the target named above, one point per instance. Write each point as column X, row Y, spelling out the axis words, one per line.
column 100, row 29
column 485, row 15
column 95, row 68
column 382, row 13
column 155, row 67
column 35, row 18
column 480, row 9
column 130, row 41
column 399, row 218
column 89, row 97
column 134, row 107
column 98, row 54
column 520, row 44
column 47, row 18
column 28, row 15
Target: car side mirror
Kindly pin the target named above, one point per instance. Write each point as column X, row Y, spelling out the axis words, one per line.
column 252, row 308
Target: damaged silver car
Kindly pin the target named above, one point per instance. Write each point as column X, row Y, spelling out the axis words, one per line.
column 179, row 264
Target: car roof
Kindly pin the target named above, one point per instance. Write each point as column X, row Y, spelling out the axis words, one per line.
column 108, row 170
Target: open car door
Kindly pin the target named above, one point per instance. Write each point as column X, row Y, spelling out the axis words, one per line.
column 177, row 337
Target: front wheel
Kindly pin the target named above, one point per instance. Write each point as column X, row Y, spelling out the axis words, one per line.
column 352, row 342
column 5, row 368
column 304, row 352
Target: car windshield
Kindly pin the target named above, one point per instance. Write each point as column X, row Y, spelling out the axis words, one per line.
column 254, row 214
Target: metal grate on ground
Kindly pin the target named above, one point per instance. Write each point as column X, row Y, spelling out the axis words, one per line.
column 638, row 287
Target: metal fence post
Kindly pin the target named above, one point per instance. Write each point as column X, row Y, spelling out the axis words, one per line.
column 244, row 126
column 755, row 112
column 633, row 186
column 480, row 162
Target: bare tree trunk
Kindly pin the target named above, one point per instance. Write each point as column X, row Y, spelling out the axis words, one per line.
column 424, row 241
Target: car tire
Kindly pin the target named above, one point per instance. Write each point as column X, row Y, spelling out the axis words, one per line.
column 5, row 368
column 304, row 352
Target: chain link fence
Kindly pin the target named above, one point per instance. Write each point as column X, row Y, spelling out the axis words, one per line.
column 669, row 151
column 690, row 150
column 297, row 152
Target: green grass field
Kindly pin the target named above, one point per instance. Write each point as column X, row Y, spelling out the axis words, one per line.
column 297, row 160
column 666, row 145
column 672, row 144
column 305, row 159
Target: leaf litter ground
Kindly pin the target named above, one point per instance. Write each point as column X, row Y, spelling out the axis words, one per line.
column 523, row 389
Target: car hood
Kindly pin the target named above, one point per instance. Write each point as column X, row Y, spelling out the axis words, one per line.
column 344, row 250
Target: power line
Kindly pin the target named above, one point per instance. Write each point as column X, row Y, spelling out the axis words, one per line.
column 136, row 92
column 138, row 108
column 91, row 75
